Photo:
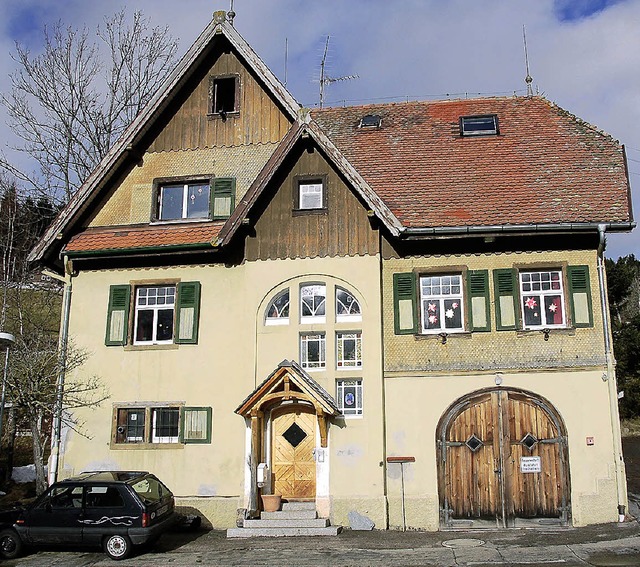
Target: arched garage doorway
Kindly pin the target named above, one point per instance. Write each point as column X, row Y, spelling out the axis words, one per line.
column 502, row 461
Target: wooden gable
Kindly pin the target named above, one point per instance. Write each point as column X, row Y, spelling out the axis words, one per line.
column 259, row 119
column 343, row 228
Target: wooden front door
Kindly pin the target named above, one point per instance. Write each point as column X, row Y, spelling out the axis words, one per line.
column 293, row 441
column 502, row 461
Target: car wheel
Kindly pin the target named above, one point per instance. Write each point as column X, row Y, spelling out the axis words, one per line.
column 117, row 546
column 10, row 544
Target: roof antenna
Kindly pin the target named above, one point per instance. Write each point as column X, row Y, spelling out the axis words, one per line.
column 286, row 57
column 231, row 14
column 528, row 78
column 328, row 80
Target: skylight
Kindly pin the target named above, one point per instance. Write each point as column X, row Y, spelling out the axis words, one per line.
column 485, row 125
column 370, row 121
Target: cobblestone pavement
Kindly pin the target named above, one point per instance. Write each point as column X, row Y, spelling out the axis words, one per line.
column 599, row 546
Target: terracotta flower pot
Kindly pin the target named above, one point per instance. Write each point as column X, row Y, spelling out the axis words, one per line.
column 271, row 502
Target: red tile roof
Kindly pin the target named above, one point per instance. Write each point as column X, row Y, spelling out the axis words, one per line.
column 546, row 166
column 156, row 236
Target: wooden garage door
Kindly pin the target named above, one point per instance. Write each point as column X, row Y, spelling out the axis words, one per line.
column 293, row 466
column 502, row 462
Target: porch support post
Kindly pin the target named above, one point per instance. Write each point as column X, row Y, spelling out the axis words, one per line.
column 256, row 453
column 322, row 424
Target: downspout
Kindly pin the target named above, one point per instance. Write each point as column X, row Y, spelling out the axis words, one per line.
column 62, row 363
column 610, row 377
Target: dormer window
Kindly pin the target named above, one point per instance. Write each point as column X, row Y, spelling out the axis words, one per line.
column 224, row 95
column 485, row 125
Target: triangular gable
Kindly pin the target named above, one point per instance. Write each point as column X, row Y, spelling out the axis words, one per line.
column 288, row 382
column 48, row 246
column 307, row 128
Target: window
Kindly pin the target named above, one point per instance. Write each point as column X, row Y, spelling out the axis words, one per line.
column 104, row 497
column 131, row 425
column 371, row 121
column 312, row 303
column 313, row 351
column 310, row 194
column 347, row 306
column 441, row 303
column 479, row 125
column 224, row 97
column 194, row 199
column 542, row 299
column 349, row 350
column 278, row 310
column 349, row 397
column 441, row 300
column 183, row 201
column 155, row 423
column 154, row 315
column 163, row 314
column 164, row 427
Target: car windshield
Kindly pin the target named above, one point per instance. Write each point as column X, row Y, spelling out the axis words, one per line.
column 150, row 489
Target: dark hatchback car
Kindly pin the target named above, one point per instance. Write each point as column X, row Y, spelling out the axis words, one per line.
column 115, row 510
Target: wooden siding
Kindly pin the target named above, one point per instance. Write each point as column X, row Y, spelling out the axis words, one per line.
column 343, row 230
column 259, row 119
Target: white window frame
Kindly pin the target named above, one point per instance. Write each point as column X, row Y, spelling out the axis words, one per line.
column 352, row 305
column 185, row 200
column 358, row 409
column 341, row 338
column 439, row 299
column 279, row 319
column 530, row 290
column 163, row 438
column 309, row 191
column 305, row 340
column 155, row 308
column 314, row 317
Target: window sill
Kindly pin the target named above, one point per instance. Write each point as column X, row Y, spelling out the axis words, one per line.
column 303, row 212
column 568, row 331
column 171, row 346
column 227, row 115
column 157, row 222
column 449, row 335
column 145, row 446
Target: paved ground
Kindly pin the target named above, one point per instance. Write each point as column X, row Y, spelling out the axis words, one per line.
column 599, row 546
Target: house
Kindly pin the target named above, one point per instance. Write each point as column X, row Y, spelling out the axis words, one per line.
column 396, row 311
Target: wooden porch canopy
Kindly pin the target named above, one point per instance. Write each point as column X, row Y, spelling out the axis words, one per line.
column 290, row 382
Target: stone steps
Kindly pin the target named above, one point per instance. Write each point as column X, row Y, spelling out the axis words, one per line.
column 295, row 519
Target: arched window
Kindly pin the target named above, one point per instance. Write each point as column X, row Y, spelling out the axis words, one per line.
column 347, row 306
column 278, row 310
column 312, row 303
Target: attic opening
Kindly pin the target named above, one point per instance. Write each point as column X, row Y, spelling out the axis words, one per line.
column 224, row 95
column 370, row 121
column 483, row 125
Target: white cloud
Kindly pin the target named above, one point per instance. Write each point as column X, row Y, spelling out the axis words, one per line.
column 420, row 48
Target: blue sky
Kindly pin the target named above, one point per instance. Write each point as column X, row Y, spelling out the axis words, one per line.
column 584, row 55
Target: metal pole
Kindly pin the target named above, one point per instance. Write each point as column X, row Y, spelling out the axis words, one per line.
column 6, row 340
column 404, row 520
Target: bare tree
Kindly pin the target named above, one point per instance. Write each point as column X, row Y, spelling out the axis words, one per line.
column 70, row 103
column 32, row 389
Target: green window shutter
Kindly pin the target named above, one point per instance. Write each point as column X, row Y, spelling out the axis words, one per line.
column 188, row 307
column 404, row 304
column 195, row 424
column 223, row 197
column 505, row 282
column 580, row 296
column 118, row 315
column 478, row 300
